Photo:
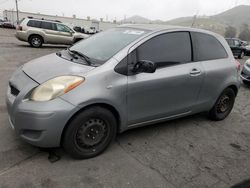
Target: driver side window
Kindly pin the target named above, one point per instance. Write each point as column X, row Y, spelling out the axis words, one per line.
column 166, row 49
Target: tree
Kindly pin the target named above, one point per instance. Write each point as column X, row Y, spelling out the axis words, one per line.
column 244, row 33
column 230, row 32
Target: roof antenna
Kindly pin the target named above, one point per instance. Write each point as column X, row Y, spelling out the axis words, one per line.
column 194, row 19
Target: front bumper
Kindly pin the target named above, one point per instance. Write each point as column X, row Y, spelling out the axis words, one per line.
column 245, row 74
column 39, row 123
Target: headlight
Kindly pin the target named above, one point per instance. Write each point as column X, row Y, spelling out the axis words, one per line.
column 55, row 87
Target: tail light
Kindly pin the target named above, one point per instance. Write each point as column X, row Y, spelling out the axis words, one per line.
column 238, row 65
column 19, row 28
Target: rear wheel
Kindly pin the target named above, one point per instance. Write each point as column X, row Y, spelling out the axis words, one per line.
column 36, row 41
column 223, row 105
column 90, row 133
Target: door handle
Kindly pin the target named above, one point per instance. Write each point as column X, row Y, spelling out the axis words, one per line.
column 195, row 72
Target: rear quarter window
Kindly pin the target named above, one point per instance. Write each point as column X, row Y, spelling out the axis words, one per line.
column 207, row 47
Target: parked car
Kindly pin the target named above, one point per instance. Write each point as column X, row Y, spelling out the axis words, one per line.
column 6, row 24
column 91, row 30
column 119, row 79
column 40, row 31
column 245, row 74
column 237, row 47
column 79, row 29
column 247, row 50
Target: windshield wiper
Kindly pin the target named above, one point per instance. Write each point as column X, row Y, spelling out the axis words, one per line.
column 81, row 55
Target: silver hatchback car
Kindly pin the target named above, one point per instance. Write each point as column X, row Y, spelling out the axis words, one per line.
column 125, row 77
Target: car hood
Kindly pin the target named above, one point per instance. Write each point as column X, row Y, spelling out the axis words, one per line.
column 51, row 66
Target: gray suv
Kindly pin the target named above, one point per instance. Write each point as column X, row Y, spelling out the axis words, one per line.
column 125, row 77
column 39, row 31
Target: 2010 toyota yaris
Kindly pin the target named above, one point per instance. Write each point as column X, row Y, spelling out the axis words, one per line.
column 129, row 76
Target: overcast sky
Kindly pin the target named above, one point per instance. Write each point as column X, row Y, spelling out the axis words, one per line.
column 117, row 9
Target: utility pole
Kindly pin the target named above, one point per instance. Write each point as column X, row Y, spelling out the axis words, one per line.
column 17, row 12
column 194, row 20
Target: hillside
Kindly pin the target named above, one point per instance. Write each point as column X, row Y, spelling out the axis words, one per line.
column 235, row 16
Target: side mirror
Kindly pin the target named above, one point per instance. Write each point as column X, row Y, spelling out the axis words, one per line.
column 144, row 66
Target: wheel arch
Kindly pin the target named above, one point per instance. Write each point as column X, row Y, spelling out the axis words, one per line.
column 234, row 88
column 111, row 108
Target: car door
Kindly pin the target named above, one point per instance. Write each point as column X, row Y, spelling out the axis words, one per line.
column 64, row 34
column 237, row 47
column 217, row 64
column 49, row 32
column 173, row 89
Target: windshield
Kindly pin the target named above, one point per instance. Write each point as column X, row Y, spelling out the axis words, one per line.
column 105, row 45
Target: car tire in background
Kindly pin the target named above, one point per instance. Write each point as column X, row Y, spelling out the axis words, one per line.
column 36, row 41
column 89, row 133
column 223, row 105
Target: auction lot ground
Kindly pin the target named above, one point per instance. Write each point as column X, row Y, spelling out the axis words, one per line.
column 189, row 152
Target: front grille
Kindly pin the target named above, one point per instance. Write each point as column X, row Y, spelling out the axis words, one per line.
column 14, row 91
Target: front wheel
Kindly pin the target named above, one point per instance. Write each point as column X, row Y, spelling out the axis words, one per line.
column 223, row 105
column 90, row 133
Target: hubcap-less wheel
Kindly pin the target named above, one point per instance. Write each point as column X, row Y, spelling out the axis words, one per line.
column 223, row 104
column 91, row 134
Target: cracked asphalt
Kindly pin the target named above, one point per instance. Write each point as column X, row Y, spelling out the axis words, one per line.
column 189, row 152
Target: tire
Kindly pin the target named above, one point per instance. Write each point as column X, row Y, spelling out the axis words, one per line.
column 36, row 41
column 90, row 133
column 223, row 105
column 242, row 54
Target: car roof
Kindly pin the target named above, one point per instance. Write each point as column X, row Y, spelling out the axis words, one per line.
column 43, row 20
column 158, row 27
column 151, row 27
column 232, row 39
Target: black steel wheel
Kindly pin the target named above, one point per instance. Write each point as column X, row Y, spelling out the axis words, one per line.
column 90, row 133
column 223, row 105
